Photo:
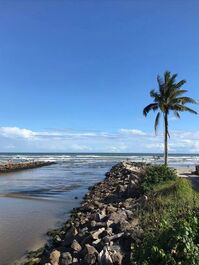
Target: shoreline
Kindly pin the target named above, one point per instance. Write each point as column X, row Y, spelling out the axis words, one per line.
column 12, row 167
column 100, row 229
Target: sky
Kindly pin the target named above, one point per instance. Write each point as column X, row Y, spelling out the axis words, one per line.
column 75, row 75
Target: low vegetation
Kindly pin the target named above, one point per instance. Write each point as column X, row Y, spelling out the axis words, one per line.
column 155, row 174
column 169, row 220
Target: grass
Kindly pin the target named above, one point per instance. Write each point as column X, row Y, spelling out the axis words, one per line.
column 177, row 192
column 168, row 200
column 166, row 218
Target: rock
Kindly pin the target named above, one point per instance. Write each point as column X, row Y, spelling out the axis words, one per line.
column 103, row 212
column 34, row 261
column 96, row 242
column 109, row 223
column 54, row 257
column 86, row 239
column 95, row 224
column 95, row 235
column 57, row 240
column 90, row 250
column 110, row 255
column 104, row 257
column 118, row 217
column 76, row 246
column 90, row 259
column 111, row 209
column 69, row 237
column 75, row 261
column 107, row 232
column 66, row 258
column 98, row 204
column 129, row 214
column 99, row 229
column 114, row 237
column 99, row 217
column 120, row 189
column 117, row 257
column 90, row 254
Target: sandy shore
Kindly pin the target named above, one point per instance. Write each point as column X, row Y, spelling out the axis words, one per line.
column 188, row 172
column 185, row 170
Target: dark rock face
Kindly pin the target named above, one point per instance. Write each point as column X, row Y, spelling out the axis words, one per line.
column 66, row 258
column 98, row 232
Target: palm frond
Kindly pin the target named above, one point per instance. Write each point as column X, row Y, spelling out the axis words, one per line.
column 180, row 83
column 153, row 106
column 155, row 95
column 167, row 76
column 159, row 80
column 177, row 93
column 178, row 107
column 161, row 85
column 173, row 78
column 176, row 113
column 184, row 100
column 157, row 119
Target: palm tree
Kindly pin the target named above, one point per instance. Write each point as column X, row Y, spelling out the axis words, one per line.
column 168, row 99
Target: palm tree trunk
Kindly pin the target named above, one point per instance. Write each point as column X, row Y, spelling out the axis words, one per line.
column 165, row 138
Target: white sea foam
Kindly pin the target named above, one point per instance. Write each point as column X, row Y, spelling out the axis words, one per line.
column 79, row 159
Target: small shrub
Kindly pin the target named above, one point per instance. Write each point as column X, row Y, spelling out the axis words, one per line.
column 156, row 174
column 171, row 243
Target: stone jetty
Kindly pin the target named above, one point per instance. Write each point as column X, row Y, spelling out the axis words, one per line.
column 99, row 231
column 11, row 166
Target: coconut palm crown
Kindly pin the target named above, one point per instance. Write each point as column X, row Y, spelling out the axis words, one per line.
column 168, row 98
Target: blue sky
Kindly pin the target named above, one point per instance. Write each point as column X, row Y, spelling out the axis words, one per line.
column 75, row 75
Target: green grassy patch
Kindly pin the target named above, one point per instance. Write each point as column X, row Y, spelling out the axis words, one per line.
column 176, row 192
column 169, row 222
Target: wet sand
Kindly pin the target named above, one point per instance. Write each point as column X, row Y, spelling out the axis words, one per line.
column 22, row 225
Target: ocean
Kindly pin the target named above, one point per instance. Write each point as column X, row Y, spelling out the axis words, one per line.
column 34, row 200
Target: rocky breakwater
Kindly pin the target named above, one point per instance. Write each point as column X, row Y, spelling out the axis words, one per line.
column 11, row 166
column 100, row 231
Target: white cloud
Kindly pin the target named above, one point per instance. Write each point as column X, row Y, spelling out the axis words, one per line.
column 132, row 131
column 173, row 118
column 16, row 132
column 157, row 146
column 122, row 140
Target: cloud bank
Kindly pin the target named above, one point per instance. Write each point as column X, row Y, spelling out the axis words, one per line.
column 14, row 139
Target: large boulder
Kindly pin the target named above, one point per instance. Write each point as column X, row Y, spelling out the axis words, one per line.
column 54, row 257
column 66, row 259
column 70, row 235
column 76, row 246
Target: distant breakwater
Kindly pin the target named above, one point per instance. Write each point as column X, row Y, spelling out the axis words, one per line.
column 10, row 166
column 99, row 232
